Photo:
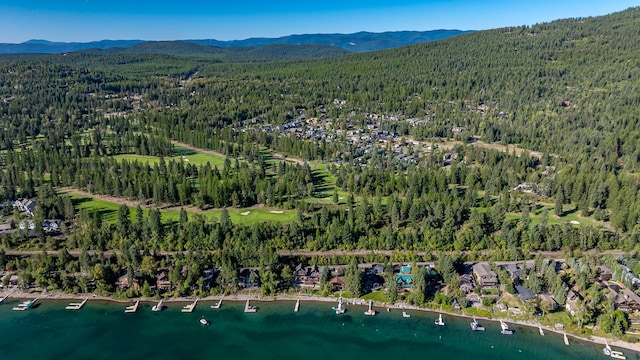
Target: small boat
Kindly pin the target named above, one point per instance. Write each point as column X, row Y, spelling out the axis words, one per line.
column 505, row 328
column 439, row 320
column 204, row 321
column 157, row 307
column 475, row 326
column 340, row 308
column 540, row 330
column 612, row 353
column 26, row 305
column 370, row 312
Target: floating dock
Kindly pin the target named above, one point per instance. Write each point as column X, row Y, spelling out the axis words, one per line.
column 566, row 339
column 297, row 307
column 248, row 308
column 157, row 307
column 75, row 305
column 189, row 308
column 540, row 330
column 217, row 305
column 132, row 308
column 612, row 353
column 26, row 305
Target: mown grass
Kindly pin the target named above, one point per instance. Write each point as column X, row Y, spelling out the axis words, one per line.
column 109, row 212
column 378, row 296
column 570, row 216
column 180, row 154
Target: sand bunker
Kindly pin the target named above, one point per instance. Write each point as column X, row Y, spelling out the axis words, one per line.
column 575, row 222
column 245, row 213
column 276, row 211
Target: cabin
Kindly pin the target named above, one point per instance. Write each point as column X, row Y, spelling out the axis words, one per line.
column 514, row 272
column 467, row 283
column 572, row 301
column 404, row 279
column 124, row 283
column 487, row 278
column 337, row 283
column 248, row 278
column 603, row 273
column 547, row 298
column 162, row 280
column 306, row 276
column 627, row 300
column 27, row 206
column 524, row 293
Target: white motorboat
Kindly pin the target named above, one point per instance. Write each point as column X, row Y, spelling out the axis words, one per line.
column 475, row 326
column 204, row 321
column 370, row 312
column 505, row 328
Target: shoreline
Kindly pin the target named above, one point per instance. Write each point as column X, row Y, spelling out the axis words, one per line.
column 60, row 296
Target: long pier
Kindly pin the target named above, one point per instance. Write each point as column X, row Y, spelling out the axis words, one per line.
column 132, row 308
column 76, row 305
column 297, row 307
column 189, row 308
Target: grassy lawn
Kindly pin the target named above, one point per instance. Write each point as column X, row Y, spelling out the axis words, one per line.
column 378, row 296
column 109, row 212
column 186, row 155
column 570, row 215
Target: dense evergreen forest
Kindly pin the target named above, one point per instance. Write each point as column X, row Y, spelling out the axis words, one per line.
column 567, row 92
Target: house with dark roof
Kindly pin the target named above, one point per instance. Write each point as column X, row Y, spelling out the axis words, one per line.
column 572, row 301
column 514, row 271
column 627, row 300
column 486, row 277
column 306, row 276
column 524, row 293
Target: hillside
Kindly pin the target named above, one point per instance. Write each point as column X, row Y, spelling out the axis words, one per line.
column 358, row 42
column 369, row 136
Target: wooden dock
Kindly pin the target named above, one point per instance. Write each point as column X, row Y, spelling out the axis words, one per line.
column 297, row 307
column 76, row 305
column 566, row 339
column 25, row 305
column 217, row 305
column 132, row 308
column 189, row 308
column 248, row 308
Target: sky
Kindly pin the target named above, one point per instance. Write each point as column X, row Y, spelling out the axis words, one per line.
column 91, row 20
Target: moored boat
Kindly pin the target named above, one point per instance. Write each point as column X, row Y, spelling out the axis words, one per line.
column 475, row 326
column 505, row 328
column 370, row 311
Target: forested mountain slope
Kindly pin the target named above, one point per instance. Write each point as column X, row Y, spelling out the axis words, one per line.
column 373, row 128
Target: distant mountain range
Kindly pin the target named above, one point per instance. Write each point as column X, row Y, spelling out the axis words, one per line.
column 357, row 42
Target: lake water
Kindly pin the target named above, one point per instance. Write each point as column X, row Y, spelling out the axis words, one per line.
column 103, row 331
